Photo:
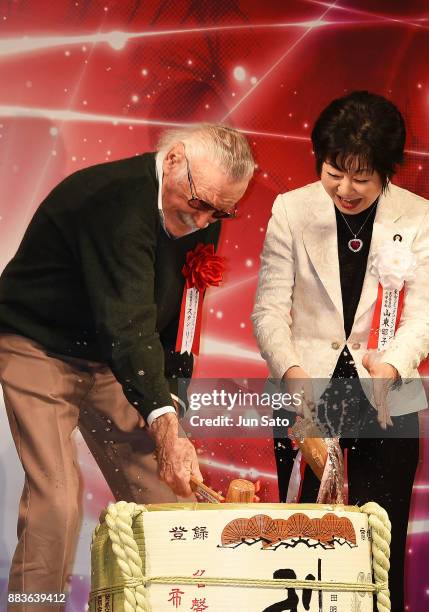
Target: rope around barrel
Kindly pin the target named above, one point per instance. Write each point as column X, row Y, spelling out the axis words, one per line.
column 119, row 518
column 268, row 583
column 378, row 520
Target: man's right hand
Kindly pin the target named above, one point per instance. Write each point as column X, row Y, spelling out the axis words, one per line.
column 298, row 381
column 176, row 456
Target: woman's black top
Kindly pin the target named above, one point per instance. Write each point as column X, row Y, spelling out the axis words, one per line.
column 352, row 273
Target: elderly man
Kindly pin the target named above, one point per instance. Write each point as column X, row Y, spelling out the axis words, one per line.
column 89, row 311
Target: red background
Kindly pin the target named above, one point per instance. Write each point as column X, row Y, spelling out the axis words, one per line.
column 73, row 95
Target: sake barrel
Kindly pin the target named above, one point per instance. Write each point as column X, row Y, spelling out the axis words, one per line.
column 240, row 557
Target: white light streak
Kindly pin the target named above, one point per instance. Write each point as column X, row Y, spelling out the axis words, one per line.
column 421, row 153
column 213, row 347
column 310, row 27
column 237, row 469
column 231, row 287
column 416, row 527
column 295, row 137
column 377, row 16
column 69, row 115
column 118, row 39
column 56, row 114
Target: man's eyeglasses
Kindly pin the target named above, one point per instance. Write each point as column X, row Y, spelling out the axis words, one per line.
column 198, row 204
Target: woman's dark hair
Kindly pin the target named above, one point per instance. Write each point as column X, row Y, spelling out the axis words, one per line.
column 360, row 126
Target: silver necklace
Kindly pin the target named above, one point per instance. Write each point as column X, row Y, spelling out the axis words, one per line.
column 355, row 244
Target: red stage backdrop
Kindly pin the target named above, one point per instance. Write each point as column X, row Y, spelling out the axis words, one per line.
column 88, row 81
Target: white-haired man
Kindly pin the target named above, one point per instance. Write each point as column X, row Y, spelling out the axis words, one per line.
column 89, row 311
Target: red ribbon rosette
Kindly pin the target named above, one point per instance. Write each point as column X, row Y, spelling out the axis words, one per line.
column 202, row 269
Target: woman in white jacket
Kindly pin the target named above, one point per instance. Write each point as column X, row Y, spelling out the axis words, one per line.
column 315, row 303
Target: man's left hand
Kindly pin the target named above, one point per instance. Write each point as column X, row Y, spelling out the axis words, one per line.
column 383, row 375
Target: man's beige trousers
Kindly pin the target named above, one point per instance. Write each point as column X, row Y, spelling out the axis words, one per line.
column 46, row 397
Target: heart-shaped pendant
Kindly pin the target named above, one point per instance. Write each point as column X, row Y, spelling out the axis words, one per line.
column 355, row 244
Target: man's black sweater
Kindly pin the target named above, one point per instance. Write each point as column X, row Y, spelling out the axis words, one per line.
column 97, row 277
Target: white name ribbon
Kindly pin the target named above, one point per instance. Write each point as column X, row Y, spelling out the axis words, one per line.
column 295, row 480
column 388, row 314
column 190, row 319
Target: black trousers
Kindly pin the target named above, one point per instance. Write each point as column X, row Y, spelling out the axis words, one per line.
column 381, row 468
